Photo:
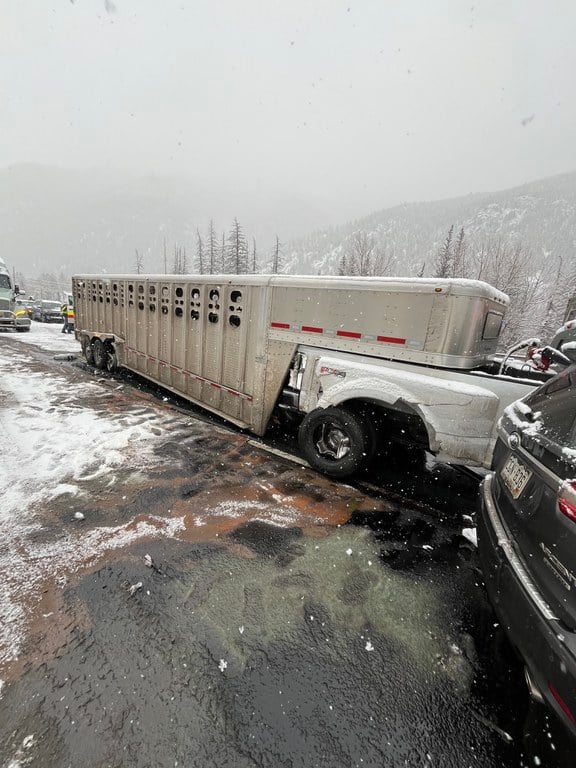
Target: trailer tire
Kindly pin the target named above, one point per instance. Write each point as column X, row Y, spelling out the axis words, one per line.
column 111, row 357
column 100, row 355
column 335, row 441
column 88, row 350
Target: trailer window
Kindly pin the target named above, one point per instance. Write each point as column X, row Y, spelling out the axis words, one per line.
column 492, row 325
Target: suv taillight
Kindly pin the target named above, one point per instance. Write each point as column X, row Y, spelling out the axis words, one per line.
column 567, row 499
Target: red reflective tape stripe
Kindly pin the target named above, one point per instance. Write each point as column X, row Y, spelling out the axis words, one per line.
column 349, row 334
column 213, row 384
column 281, row 325
column 311, row 329
column 390, row 340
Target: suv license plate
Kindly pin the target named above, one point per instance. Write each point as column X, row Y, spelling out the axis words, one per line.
column 515, row 475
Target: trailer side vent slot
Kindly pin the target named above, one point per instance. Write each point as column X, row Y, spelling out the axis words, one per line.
column 195, row 315
column 140, row 288
column 234, row 321
column 178, row 311
column 152, row 307
column 164, row 310
column 152, row 290
column 195, row 294
column 212, row 317
column 140, row 305
column 214, row 295
column 236, row 297
column 179, row 292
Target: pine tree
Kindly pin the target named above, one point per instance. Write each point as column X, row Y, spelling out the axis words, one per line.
column 254, row 264
column 444, row 259
column 277, row 265
column 212, row 249
column 138, row 262
column 237, row 250
column 177, row 264
column 459, row 255
column 199, row 252
column 223, row 262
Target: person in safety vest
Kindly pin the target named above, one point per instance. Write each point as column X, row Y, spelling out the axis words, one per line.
column 64, row 310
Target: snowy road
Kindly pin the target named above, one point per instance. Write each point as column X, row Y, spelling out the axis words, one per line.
column 172, row 595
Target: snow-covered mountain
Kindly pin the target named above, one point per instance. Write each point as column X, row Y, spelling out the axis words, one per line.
column 67, row 221
column 540, row 215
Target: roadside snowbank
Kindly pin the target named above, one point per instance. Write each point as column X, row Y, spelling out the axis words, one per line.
column 53, row 441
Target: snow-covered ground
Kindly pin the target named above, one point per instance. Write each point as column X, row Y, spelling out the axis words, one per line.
column 53, row 444
column 50, row 336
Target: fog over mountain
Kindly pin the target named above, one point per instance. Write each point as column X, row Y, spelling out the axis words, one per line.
column 62, row 220
column 55, row 220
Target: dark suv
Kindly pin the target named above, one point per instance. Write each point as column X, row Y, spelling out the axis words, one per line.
column 527, row 538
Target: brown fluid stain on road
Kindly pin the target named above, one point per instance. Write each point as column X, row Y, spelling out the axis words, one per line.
column 202, row 484
column 235, row 487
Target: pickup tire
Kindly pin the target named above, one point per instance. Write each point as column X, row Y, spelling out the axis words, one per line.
column 335, row 441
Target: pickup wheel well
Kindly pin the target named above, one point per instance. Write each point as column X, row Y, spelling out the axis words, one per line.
column 400, row 425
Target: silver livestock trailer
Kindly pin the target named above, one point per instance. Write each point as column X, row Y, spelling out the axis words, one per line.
column 242, row 346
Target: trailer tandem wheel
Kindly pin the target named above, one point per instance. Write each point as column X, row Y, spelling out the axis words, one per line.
column 100, row 354
column 88, row 350
column 335, row 441
column 111, row 357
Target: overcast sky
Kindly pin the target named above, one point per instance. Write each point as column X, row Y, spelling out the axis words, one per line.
column 359, row 103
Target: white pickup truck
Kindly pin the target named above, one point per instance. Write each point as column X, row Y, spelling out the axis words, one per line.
column 356, row 361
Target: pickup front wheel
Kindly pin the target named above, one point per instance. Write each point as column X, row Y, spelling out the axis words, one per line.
column 335, row 441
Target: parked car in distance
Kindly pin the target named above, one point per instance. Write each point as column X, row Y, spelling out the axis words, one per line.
column 527, row 538
column 11, row 320
column 24, row 306
column 47, row 312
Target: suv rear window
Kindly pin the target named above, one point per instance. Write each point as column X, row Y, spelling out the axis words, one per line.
column 554, row 412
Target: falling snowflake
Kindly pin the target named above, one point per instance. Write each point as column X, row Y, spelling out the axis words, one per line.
column 369, row 646
column 222, row 666
column 348, row 551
